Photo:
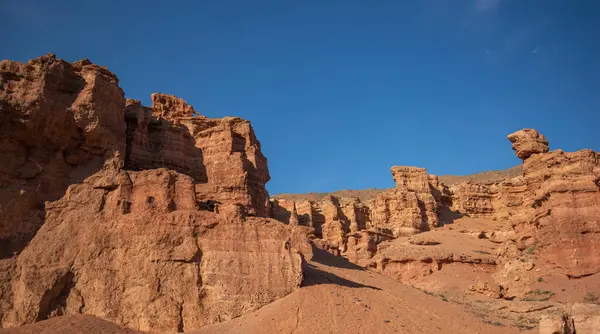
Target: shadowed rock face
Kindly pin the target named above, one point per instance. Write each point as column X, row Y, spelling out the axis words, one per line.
column 106, row 206
column 59, row 123
column 222, row 155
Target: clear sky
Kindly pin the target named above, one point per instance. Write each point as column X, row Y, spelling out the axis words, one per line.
column 340, row 90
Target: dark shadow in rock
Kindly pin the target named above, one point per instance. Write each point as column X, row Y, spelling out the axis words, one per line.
column 150, row 144
column 318, row 221
column 43, row 149
column 424, row 219
column 316, row 276
column 279, row 212
column 328, row 259
column 445, row 214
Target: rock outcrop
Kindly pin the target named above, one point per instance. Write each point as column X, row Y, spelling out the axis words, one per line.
column 171, row 107
column 565, row 224
column 59, row 123
column 147, row 258
column 501, row 200
column 222, row 155
column 153, row 218
column 411, row 207
column 348, row 212
column 579, row 318
column 527, row 142
column 409, row 259
column 549, row 214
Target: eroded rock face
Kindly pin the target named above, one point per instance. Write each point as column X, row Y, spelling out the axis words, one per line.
column 148, row 259
column 566, row 219
column 159, row 142
column 556, row 324
column 222, row 155
column 503, row 200
column 578, row 318
column 59, row 123
column 348, row 212
column 62, row 122
column 410, row 259
column 548, row 214
column 171, row 107
column 527, row 142
column 123, row 195
column 412, row 206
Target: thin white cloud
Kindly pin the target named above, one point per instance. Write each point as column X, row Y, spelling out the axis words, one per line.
column 535, row 50
column 482, row 6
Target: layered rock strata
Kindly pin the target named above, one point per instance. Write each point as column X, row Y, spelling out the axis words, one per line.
column 59, row 123
column 222, row 155
column 411, row 207
column 553, row 208
column 142, row 216
column 149, row 259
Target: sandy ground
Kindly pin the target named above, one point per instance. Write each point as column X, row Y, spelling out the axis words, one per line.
column 70, row 325
column 339, row 297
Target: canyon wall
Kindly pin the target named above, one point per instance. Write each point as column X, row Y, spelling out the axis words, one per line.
column 59, row 123
column 146, row 257
column 151, row 217
column 553, row 207
column 222, row 155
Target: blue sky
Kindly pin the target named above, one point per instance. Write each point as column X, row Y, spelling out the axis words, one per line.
column 339, row 91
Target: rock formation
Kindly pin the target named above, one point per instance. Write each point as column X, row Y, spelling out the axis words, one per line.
column 222, row 155
column 157, row 218
column 142, row 216
column 551, row 210
column 579, row 318
column 147, row 258
column 351, row 213
column 59, row 123
column 565, row 223
column 412, row 206
column 171, row 107
column 527, row 142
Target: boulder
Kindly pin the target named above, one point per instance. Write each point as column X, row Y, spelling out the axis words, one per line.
column 169, row 106
column 527, row 142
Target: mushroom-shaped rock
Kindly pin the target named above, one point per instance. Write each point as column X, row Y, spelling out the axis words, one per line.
column 170, row 106
column 527, row 142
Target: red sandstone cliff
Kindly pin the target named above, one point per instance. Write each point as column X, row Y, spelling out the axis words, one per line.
column 552, row 207
column 156, row 217
column 142, row 216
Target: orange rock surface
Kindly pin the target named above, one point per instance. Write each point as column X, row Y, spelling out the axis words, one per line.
column 153, row 218
column 157, row 219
